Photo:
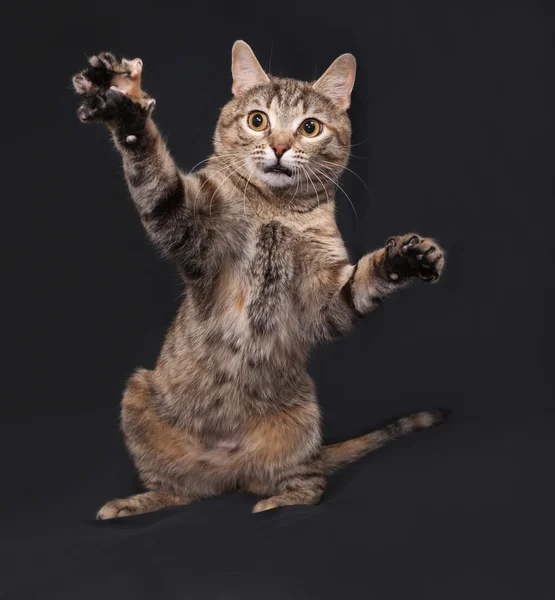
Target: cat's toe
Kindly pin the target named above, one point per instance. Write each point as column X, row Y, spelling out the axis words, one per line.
column 91, row 110
column 104, row 60
column 431, row 260
column 409, row 245
column 115, row 509
column 264, row 505
column 83, row 85
column 84, row 114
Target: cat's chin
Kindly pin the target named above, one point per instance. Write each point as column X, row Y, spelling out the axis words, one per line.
column 276, row 179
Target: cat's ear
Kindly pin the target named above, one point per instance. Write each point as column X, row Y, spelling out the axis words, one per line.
column 246, row 70
column 338, row 81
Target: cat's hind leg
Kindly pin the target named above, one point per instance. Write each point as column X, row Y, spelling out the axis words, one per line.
column 304, row 485
column 169, row 462
column 137, row 504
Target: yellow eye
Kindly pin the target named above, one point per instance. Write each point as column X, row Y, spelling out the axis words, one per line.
column 311, row 127
column 257, row 120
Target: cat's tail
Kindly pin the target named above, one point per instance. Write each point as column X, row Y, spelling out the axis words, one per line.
column 343, row 453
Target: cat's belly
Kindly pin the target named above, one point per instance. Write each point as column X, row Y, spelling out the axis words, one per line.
column 216, row 387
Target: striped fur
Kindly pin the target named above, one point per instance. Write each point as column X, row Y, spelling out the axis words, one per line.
column 229, row 403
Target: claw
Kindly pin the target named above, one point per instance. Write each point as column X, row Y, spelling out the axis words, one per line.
column 107, row 60
column 413, row 241
column 82, row 114
column 82, row 85
column 409, row 244
column 136, row 68
column 85, row 114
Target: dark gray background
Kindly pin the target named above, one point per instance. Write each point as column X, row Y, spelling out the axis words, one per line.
column 454, row 135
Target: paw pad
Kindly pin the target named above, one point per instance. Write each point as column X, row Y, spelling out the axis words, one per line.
column 410, row 256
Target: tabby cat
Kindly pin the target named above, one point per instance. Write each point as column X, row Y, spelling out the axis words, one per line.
column 230, row 404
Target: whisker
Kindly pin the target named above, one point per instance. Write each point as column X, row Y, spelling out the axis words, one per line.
column 344, row 192
column 239, row 167
column 245, row 190
column 295, row 171
column 321, row 183
column 312, row 182
column 293, row 182
column 350, row 171
column 218, row 172
column 353, row 145
column 212, row 157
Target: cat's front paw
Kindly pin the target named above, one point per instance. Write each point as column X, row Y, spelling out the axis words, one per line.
column 410, row 255
column 111, row 90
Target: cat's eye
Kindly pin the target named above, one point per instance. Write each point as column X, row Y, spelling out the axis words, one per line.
column 257, row 120
column 311, row 127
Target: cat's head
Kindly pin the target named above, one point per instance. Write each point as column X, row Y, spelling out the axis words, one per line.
column 283, row 132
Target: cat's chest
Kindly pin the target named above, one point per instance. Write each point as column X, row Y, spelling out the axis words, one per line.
column 270, row 274
column 263, row 295
column 271, row 258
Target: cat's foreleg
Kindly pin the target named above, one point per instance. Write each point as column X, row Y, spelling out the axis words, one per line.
column 172, row 206
column 377, row 275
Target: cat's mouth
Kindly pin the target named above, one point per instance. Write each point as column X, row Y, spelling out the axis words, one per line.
column 279, row 169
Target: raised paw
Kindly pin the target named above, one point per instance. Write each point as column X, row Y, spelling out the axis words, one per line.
column 111, row 90
column 413, row 256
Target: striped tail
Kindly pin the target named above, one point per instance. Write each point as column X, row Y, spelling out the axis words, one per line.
column 343, row 453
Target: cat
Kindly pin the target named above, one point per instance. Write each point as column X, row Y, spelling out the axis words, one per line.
column 229, row 404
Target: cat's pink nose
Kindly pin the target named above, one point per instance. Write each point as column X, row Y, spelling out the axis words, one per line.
column 280, row 149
